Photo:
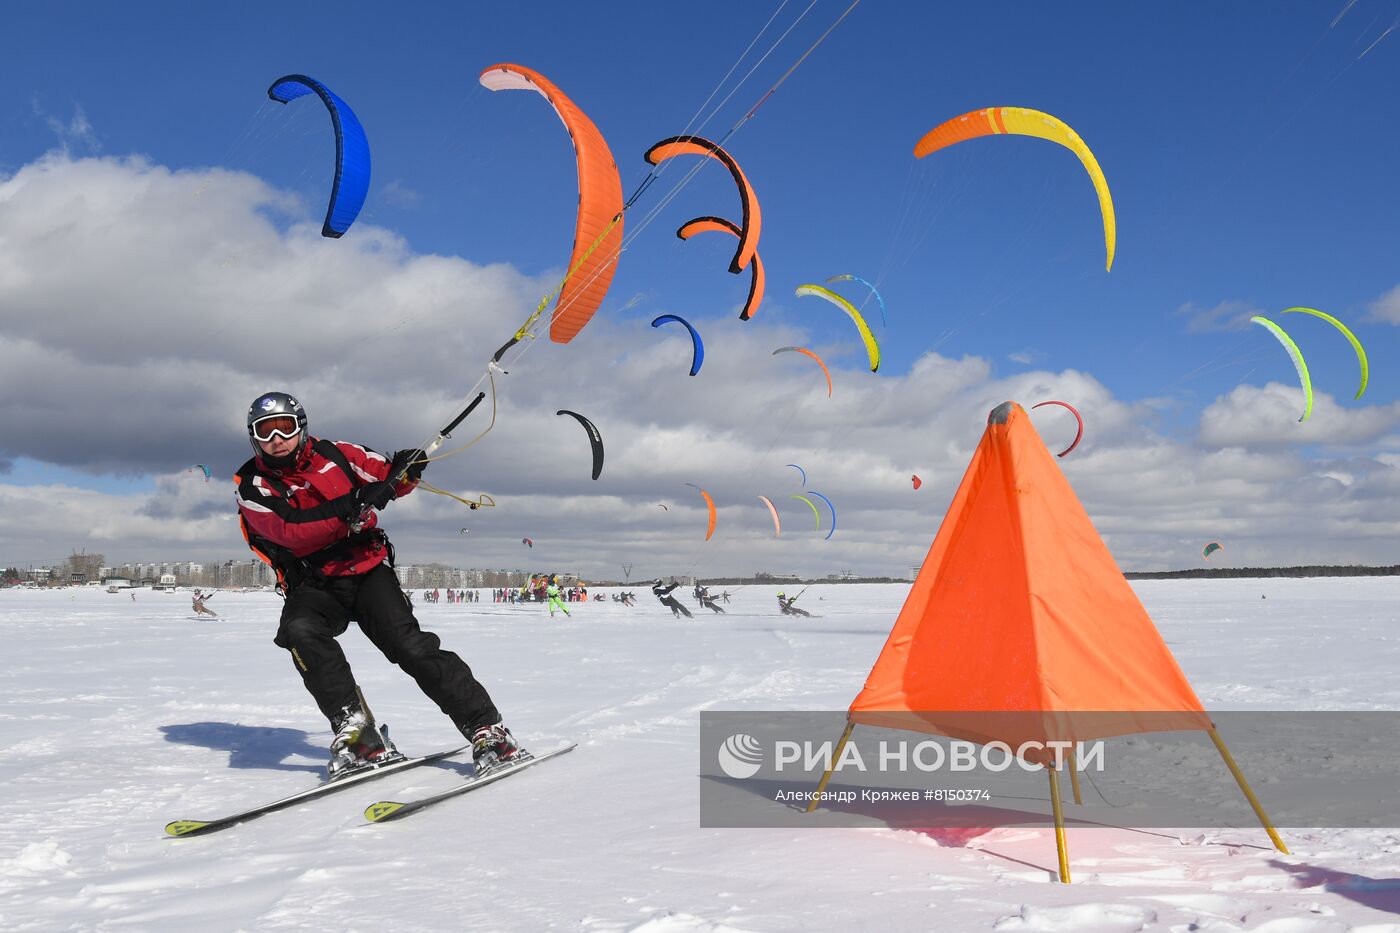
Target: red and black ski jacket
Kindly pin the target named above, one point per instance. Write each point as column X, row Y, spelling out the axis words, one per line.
column 285, row 520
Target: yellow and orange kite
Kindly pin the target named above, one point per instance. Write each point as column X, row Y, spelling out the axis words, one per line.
column 1021, row 121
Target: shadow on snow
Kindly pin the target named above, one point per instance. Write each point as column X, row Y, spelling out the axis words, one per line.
column 258, row 747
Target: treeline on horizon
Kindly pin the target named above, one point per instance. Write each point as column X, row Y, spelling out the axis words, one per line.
column 1310, row 570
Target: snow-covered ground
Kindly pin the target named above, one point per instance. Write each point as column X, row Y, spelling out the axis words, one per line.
column 119, row 716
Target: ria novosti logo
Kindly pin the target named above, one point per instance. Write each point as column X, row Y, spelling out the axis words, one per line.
column 740, row 756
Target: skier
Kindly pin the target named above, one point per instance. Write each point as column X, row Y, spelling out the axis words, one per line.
column 199, row 608
column 552, row 590
column 702, row 593
column 788, row 609
column 305, row 505
column 663, row 593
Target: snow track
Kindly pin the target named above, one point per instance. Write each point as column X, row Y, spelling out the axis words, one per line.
column 120, row 716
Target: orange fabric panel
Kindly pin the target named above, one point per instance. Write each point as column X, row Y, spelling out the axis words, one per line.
column 597, row 238
column 1019, row 607
column 752, row 223
column 756, row 277
column 968, row 126
column 710, row 503
column 825, row 372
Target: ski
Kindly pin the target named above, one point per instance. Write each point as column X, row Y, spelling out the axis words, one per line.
column 385, row 810
column 199, row 827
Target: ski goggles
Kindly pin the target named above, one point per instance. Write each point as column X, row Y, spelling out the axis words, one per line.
column 273, row 426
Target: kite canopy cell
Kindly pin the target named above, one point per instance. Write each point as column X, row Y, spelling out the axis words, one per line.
column 598, row 228
column 1020, row 121
column 351, row 182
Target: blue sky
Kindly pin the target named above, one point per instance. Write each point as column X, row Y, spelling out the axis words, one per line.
column 1250, row 150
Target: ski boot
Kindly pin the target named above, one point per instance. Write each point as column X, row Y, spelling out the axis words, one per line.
column 359, row 744
column 494, row 748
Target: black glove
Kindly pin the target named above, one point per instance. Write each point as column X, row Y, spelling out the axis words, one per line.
column 376, row 495
column 369, row 496
column 414, row 460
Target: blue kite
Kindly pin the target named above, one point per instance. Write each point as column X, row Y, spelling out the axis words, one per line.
column 351, row 182
column 698, row 356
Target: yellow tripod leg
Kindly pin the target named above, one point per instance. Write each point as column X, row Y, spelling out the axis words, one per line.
column 1074, row 779
column 836, row 756
column 1060, row 843
column 1248, row 792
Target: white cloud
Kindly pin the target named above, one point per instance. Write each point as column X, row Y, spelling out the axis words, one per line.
column 400, row 195
column 1224, row 316
column 74, row 134
column 1386, row 308
column 1267, row 416
column 141, row 309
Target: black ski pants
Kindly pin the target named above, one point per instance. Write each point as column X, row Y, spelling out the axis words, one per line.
column 677, row 610
column 317, row 611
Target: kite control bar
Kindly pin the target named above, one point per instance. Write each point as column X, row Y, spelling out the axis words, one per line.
column 423, row 452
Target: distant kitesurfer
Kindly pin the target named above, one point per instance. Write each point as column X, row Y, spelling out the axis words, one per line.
column 199, row 608
column 552, row 591
column 702, row 593
column 788, row 609
column 663, row 593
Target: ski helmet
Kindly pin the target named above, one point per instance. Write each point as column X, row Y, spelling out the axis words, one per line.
column 276, row 405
